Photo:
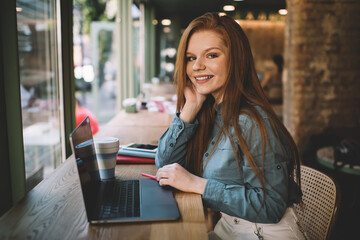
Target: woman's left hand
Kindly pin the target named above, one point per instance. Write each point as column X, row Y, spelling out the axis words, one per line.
column 178, row 177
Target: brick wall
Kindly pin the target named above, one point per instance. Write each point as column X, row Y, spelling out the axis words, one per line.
column 322, row 71
column 266, row 39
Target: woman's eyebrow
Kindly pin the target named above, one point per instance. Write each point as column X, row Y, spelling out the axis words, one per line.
column 206, row 50
column 212, row 48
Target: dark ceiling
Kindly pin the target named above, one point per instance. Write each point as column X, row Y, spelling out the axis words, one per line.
column 189, row 9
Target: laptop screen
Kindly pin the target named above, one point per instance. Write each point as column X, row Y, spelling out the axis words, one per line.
column 81, row 133
column 82, row 145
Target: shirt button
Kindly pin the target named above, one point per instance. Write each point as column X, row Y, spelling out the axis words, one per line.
column 236, row 221
column 180, row 127
column 213, row 142
column 206, row 154
column 278, row 166
column 171, row 144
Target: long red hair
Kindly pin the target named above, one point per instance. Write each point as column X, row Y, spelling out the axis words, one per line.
column 242, row 91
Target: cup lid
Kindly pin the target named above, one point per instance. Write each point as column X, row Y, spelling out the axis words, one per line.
column 107, row 142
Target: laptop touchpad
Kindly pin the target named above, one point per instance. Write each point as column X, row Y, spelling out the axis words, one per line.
column 154, row 194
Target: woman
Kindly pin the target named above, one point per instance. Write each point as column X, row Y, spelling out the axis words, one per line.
column 272, row 82
column 226, row 143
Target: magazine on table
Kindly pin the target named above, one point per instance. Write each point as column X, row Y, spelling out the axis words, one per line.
column 131, row 159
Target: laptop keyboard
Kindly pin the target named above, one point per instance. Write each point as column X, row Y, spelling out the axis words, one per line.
column 121, row 199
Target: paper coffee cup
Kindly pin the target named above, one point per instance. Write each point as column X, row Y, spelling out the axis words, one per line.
column 106, row 151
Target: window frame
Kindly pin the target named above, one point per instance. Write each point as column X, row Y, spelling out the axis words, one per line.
column 12, row 166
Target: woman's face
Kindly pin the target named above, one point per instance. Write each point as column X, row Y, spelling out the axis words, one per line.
column 206, row 64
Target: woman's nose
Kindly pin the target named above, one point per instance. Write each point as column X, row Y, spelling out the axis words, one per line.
column 199, row 64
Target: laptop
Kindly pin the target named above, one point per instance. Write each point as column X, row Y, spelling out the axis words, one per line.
column 119, row 200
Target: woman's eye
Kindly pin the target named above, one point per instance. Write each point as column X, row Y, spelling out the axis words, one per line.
column 212, row 55
column 191, row 58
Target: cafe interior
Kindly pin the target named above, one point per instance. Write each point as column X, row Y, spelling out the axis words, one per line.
column 115, row 60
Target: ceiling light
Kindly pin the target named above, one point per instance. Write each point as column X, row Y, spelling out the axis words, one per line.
column 18, row 9
column 283, row 11
column 166, row 22
column 154, row 22
column 229, row 8
column 221, row 14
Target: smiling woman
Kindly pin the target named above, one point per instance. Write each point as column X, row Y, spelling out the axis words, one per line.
column 226, row 143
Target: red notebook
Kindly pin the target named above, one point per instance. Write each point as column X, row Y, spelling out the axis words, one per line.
column 130, row 159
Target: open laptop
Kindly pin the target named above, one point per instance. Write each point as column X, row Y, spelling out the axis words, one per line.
column 119, row 200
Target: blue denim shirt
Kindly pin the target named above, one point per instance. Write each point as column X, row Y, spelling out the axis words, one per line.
column 230, row 189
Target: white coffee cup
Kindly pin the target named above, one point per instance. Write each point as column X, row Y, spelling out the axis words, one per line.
column 106, row 151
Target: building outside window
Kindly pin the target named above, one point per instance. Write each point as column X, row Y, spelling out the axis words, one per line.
column 40, row 87
column 96, row 60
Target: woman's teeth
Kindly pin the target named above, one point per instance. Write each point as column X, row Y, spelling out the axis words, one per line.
column 203, row 78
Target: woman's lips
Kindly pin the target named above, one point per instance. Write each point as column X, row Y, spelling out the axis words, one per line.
column 203, row 79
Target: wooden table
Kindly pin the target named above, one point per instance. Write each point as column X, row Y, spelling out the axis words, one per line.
column 54, row 209
column 140, row 127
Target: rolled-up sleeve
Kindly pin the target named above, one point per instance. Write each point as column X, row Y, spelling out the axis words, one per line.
column 172, row 145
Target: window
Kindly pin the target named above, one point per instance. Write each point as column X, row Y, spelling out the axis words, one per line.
column 107, row 56
column 40, row 70
column 94, row 60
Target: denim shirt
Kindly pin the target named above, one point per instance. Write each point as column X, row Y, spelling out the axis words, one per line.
column 234, row 188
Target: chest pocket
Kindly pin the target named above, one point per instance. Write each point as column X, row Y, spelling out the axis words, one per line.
column 275, row 175
column 223, row 167
column 222, row 163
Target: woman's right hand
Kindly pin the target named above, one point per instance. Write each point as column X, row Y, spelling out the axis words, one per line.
column 193, row 97
column 193, row 104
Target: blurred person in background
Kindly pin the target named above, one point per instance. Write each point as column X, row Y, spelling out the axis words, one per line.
column 81, row 113
column 272, row 82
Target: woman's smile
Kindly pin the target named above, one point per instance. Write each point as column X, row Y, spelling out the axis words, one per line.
column 203, row 79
